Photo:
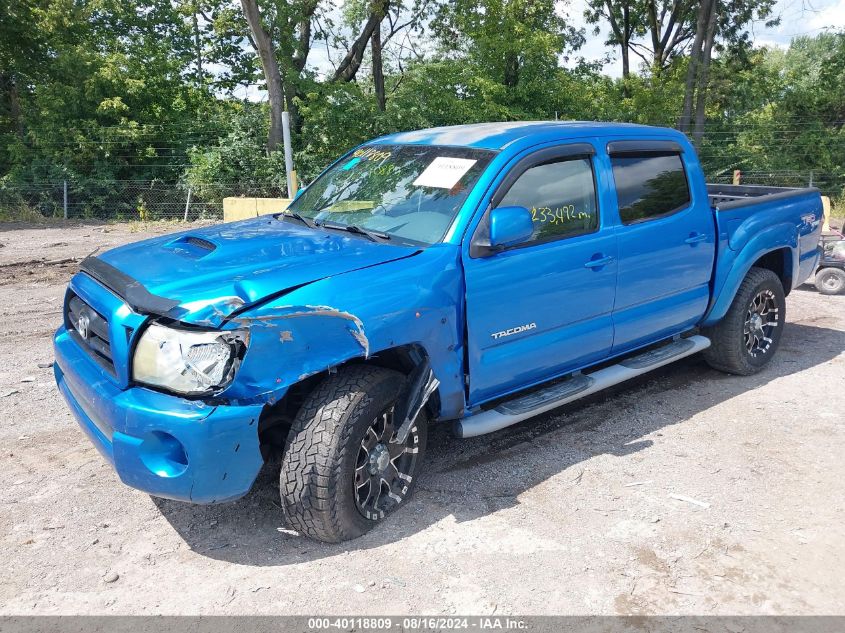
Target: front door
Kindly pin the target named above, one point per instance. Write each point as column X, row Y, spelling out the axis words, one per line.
column 543, row 308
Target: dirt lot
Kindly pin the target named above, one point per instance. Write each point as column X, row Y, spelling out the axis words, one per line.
column 567, row 513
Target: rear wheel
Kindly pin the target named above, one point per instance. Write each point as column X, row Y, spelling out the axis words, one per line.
column 745, row 340
column 343, row 470
column 830, row 281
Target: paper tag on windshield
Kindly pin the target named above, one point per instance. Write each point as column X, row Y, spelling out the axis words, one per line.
column 444, row 172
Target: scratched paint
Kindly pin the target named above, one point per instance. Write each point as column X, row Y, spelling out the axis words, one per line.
column 271, row 320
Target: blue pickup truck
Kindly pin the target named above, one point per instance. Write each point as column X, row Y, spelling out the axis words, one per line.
column 477, row 274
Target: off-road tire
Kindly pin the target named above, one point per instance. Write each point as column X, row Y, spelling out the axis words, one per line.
column 319, row 461
column 826, row 281
column 727, row 351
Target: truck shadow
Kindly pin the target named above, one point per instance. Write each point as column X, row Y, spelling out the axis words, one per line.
column 464, row 480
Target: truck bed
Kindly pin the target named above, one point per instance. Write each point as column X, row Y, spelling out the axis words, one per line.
column 750, row 220
column 723, row 197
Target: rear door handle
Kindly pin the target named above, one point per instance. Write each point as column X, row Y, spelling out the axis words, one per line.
column 695, row 238
column 598, row 263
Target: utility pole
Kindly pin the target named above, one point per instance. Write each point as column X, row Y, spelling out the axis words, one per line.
column 288, row 153
column 187, row 204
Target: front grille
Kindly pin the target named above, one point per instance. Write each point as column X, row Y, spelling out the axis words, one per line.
column 90, row 330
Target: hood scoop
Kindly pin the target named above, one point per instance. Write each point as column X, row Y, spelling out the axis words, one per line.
column 192, row 246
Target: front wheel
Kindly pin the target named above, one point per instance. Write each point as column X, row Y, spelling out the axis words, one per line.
column 746, row 339
column 830, row 281
column 343, row 470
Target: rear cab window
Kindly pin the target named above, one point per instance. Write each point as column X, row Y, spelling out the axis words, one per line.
column 649, row 184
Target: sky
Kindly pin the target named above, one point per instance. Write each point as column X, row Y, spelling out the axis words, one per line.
column 798, row 17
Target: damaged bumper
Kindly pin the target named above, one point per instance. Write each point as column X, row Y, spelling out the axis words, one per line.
column 162, row 444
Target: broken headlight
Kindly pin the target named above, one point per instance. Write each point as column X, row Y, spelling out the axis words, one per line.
column 190, row 362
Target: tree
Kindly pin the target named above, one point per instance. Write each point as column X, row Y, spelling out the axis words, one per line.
column 657, row 31
column 725, row 21
column 670, row 27
column 114, row 79
column 263, row 45
column 509, row 40
column 378, row 67
column 623, row 17
column 287, row 31
column 282, row 33
column 98, row 92
column 381, row 21
column 705, row 10
column 349, row 65
column 23, row 58
column 704, row 72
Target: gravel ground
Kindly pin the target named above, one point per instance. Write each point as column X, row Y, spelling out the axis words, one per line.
column 568, row 513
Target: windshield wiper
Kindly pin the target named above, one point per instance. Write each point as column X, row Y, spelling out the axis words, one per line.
column 298, row 216
column 374, row 236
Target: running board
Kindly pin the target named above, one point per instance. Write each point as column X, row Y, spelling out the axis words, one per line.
column 575, row 387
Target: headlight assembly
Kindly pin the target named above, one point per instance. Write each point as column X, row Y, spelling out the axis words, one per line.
column 190, row 362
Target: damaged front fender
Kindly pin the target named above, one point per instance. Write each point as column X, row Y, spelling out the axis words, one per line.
column 414, row 302
column 355, row 327
column 288, row 343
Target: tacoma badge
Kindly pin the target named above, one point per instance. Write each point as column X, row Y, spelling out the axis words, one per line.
column 515, row 330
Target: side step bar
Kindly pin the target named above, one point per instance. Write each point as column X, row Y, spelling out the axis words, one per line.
column 575, row 387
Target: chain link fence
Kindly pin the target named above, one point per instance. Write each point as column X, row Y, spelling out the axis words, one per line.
column 157, row 200
column 125, row 200
column 830, row 184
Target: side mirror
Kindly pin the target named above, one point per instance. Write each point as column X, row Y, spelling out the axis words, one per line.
column 500, row 228
column 510, row 226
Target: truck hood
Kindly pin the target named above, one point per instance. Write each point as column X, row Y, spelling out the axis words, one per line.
column 216, row 270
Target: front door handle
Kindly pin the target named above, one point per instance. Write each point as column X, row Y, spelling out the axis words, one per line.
column 695, row 238
column 599, row 261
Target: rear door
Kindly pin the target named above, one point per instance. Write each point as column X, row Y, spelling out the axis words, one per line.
column 542, row 308
column 666, row 242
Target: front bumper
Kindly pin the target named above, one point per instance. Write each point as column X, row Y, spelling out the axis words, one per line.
column 162, row 444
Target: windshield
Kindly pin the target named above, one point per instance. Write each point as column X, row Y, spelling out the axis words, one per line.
column 407, row 192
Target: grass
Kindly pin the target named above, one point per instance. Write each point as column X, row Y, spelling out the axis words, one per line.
column 161, row 226
column 138, row 226
column 21, row 213
column 25, row 214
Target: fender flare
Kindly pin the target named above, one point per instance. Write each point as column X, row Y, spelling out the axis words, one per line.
column 735, row 264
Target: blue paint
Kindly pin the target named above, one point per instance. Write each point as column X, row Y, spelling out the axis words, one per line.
column 352, row 163
column 510, row 226
column 125, row 424
column 314, row 299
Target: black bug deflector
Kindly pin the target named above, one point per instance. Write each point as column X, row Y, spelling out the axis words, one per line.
column 130, row 290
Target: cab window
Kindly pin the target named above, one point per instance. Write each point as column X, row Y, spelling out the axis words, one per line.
column 649, row 185
column 561, row 196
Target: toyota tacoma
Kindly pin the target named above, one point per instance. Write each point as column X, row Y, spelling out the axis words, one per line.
column 477, row 275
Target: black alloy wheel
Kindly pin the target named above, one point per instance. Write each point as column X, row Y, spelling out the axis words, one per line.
column 761, row 318
column 384, row 469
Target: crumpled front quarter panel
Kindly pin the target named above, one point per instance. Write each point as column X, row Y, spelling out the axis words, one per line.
column 416, row 300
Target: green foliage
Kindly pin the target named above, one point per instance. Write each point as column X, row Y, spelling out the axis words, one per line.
column 98, row 92
column 514, row 40
column 114, row 102
column 781, row 112
column 437, row 93
column 238, row 157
